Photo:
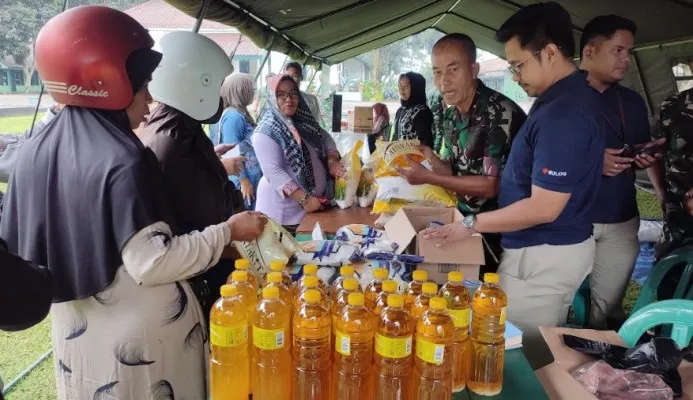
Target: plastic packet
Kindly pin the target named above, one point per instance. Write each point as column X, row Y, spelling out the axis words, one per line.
column 347, row 185
column 275, row 243
column 607, row 382
column 366, row 237
column 329, row 253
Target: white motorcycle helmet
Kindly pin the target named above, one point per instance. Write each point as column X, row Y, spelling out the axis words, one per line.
column 190, row 74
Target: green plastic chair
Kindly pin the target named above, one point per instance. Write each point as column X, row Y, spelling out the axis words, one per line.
column 582, row 303
column 678, row 313
column 678, row 257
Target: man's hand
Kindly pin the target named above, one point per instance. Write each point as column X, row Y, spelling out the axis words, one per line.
column 247, row 190
column 416, row 174
column 312, row 204
column 448, row 234
column 614, row 164
column 246, row 226
column 428, row 152
column 233, row 165
column 644, row 160
column 223, row 148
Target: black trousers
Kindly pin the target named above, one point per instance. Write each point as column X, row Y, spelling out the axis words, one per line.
column 492, row 253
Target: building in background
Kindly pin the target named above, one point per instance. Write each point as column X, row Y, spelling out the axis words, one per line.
column 12, row 78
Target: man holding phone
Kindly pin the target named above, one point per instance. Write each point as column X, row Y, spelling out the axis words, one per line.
column 606, row 46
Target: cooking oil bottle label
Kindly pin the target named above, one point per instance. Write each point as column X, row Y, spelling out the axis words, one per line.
column 430, row 352
column 342, row 343
column 268, row 339
column 393, row 347
column 502, row 315
column 228, row 336
column 460, row 317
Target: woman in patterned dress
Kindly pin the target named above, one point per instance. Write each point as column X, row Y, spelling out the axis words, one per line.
column 86, row 201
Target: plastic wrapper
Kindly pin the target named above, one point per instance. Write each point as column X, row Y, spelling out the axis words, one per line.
column 609, row 383
column 366, row 237
column 347, row 185
column 367, row 187
column 655, row 355
column 328, row 253
column 275, row 243
column 394, row 192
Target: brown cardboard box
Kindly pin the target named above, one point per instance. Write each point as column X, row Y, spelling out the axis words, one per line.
column 405, row 227
column 361, row 119
column 560, row 384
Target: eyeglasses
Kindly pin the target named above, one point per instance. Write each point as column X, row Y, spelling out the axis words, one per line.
column 515, row 68
column 293, row 95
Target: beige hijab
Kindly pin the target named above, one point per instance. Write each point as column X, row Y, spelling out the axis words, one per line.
column 237, row 92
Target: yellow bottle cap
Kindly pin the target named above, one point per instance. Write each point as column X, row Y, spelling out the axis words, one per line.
column 240, row 276
column 350, row 284
column 270, row 292
column 380, row 273
column 311, row 296
column 490, row 277
column 228, row 290
column 346, row 270
column 311, row 281
column 438, row 303
column 356, row 299
column 277, row 265
column 455, row 276
column 242, row 263
column 274, row 277
column 389, row 286
column 310, row 269
column 429, row 288
column 420, row 275
column 395, row 300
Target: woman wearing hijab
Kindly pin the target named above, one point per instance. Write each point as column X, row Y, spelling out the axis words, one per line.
column 86, row 201
column 414, row 119
column 195, row 178
column 299, row 159
column 381, row 125
column 237, row 127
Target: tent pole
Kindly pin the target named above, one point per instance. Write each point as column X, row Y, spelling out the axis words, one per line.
column 201, row 15
column 648, row 100
column 284, row 63
column 313, row 77
column 262, row 64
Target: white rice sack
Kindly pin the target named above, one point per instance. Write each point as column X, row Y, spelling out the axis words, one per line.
column 347, row 185
column 275, row 243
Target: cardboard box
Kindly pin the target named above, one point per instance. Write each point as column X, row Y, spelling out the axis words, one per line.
column 361, row 119
column 405, row 227
column 556, row 377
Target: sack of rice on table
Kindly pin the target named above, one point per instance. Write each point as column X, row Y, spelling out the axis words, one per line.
column 275, row 243
column 394, row 192
column 347, row 185
column 367, row 187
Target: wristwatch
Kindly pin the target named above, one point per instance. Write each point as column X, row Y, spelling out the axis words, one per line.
column 468, row 222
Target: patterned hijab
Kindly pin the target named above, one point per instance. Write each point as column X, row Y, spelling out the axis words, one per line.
column 411, row 107
column 294, row 134
column 237, row 92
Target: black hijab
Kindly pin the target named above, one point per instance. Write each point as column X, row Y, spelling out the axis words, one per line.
column 81, row 190
column 418, row 89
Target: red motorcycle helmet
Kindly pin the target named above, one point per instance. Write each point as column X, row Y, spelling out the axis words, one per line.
column 81, row 56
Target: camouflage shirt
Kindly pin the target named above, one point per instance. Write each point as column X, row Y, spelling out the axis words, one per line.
column 478, row 143
column 437, row 106
column 675, row 123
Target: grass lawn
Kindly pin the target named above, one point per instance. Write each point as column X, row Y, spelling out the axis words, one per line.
column 18, row 350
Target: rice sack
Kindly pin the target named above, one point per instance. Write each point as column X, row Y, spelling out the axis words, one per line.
column 328, row 253
column 275, row 243
column 347, row 185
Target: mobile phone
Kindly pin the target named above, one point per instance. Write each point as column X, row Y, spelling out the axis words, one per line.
column 649, row 149
column 235, row 152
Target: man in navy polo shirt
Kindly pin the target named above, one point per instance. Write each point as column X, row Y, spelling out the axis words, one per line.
column 550, row 180
column 606, row 45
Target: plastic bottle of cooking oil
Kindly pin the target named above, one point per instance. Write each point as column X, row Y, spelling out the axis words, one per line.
column 353, row 356
column 248, row 296
column 310, row 282
column 457, row 298
column 421, row 303
column 280, row 266
column 433, row 365
column 393, row 351
column 274, row 279
column 389, row 287
column 311, row 375
column 345, row 272
column 488, row 343
column 271, row 347
column 243, row 264
column 229, row 362
column 308, row 270
column 349, row 285
column 419, row 277
column 375, row 287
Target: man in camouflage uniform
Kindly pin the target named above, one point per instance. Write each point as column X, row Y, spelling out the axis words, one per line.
column 438, row 107
column 475, row 141
column 672, row 177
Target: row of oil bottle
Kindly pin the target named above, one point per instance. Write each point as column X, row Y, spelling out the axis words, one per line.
column 299, row 342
